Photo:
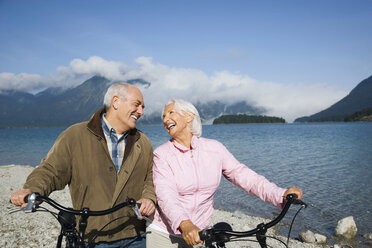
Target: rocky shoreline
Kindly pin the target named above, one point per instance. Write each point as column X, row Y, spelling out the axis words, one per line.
column 41, row 229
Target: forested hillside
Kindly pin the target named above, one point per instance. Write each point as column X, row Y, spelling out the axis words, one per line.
column 360, row 98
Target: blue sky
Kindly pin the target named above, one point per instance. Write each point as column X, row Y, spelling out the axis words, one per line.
column 323, row 47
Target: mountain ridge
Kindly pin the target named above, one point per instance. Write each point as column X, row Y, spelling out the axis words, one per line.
column 55, row 107
column 358, row 99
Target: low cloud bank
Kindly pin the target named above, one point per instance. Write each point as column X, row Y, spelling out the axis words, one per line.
column 283, row 100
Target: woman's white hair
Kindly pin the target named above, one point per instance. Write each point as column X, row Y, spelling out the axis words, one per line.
column 185, row 106
column 119, row 89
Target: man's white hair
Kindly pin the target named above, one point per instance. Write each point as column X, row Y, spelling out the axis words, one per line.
column 185, row 106
column 119, row 89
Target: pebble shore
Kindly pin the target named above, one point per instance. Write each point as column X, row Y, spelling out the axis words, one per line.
column 20, row 230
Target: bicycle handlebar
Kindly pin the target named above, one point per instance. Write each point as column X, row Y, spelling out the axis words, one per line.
column 66, row 217
column 34, row 200
column 221, row 232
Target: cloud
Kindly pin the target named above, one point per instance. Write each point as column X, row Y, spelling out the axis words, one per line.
column 65, row 77
column 288, row 101
column 284, row 100
column 98, row 66
column 34, row 82
column 22, row 81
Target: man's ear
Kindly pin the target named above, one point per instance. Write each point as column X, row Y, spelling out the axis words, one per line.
column 115, row 102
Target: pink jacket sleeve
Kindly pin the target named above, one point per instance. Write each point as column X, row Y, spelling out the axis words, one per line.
column 250, row 181
column 166, row 193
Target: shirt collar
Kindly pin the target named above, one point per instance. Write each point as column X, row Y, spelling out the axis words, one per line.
column 194, row 144
column 109, row 130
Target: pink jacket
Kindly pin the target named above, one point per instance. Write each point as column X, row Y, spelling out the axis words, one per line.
column 186, row 180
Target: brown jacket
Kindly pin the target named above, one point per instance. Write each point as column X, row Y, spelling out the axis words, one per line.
column 80, row 158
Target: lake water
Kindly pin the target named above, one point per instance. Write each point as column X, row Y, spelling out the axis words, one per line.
column 330, row 162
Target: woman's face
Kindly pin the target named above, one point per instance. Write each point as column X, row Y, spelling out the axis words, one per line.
column 175, row 123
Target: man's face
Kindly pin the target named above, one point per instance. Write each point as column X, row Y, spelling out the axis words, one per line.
column 131, row 109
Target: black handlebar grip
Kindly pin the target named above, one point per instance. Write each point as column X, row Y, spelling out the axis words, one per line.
column 131, row 202
column 203, row 235
column 291, row 197
column 35, row 197
column 26, row 198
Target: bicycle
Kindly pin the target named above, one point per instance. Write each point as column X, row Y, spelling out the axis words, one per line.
column 74, row 237
column 222, row 232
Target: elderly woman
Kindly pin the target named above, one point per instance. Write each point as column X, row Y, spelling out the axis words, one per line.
column 187, row 171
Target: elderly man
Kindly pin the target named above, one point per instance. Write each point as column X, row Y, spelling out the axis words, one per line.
column 104, row 161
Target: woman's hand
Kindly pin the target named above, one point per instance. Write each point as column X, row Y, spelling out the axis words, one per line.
column 293, row 190
column 190, row 232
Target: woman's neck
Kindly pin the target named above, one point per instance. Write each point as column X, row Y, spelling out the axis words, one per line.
column 184, row 139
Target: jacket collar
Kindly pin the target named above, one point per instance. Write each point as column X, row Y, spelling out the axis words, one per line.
column 95, row 125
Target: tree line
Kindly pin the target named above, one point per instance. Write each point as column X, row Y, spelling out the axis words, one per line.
column 362, row 115
column 242, row 118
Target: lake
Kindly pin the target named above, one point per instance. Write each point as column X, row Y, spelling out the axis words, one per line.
column 330, row 162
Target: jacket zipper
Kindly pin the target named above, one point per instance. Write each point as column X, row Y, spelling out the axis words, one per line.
column 197, row 182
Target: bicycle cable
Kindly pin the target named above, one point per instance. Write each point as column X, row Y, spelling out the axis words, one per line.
column 100, row 230
column 255, row 241
column 294, row 217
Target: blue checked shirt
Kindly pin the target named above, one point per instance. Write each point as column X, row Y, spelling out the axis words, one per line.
column 115, row 143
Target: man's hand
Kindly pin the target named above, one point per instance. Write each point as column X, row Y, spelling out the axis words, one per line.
column 147, row 206
column 18, row 197
column 190, row 232
column 293, row 190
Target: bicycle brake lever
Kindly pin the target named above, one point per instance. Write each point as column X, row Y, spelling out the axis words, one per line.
column 137, row 212
column 299, row 202
column 30, row 207
column 16, row 210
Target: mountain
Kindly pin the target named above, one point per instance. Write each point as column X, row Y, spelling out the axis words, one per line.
column 53, row 91
column 209, row 111
column 52, row 107
column 363, row 115
column 358, row 99
column 56, row 107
